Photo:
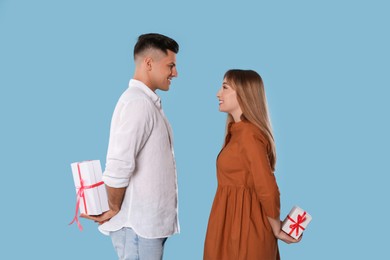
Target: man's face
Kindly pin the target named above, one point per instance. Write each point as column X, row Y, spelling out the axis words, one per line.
column 163, row 70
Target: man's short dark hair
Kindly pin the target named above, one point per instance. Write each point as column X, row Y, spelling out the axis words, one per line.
column 155, row 41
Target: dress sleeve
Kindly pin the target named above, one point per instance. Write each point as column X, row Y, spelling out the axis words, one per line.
column 131, row 127
column 256, row 157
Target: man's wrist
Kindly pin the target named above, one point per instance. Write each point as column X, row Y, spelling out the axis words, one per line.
column 114, row 208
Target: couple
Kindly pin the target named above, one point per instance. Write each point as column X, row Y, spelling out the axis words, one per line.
column 140, row 173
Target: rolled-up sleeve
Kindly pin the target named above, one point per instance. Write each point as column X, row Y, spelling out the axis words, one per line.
column 255, row 152
column 131, row 126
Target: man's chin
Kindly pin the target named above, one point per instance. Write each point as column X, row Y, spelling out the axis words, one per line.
column 166, row 88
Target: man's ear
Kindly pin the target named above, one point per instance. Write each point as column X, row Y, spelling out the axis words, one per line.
column 148, row 62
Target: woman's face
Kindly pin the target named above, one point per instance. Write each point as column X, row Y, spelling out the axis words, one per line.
column 228, row 103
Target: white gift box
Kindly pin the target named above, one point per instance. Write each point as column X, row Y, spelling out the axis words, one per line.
column 296, row 222
column 90, row 189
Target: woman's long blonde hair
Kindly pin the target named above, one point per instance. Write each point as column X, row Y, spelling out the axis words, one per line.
column 251, row 97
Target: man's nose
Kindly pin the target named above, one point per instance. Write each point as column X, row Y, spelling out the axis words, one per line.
column 174, row 72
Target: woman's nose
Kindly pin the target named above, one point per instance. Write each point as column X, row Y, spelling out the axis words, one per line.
column 219, row 93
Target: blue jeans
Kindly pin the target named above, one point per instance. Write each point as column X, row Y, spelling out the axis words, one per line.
column 129, row 246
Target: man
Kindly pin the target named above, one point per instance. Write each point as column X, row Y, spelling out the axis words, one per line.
column 140, row 173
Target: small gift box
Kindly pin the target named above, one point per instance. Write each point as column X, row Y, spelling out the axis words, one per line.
column 296, row 222
column 90, row 189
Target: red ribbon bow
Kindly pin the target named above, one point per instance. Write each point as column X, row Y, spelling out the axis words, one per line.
column 297, row 224
column 80, row 194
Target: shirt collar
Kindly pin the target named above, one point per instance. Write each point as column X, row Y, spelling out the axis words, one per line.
column 140, row 85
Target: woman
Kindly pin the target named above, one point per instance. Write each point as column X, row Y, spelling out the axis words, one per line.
column 245, row 221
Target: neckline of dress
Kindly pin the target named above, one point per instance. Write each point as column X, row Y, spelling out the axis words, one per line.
column 236, row 125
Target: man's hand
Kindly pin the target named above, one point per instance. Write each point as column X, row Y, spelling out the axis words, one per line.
column 100, row 219
column 115, row 198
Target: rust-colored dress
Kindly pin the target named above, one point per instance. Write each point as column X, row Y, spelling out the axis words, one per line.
column 247, row 193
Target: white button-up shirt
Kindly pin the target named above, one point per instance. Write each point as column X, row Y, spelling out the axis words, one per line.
column 140, row 157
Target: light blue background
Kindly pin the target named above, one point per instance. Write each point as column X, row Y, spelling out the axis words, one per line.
column 63, row 65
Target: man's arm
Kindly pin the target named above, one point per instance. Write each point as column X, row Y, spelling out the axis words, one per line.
column 129, row 133
column 115, row 197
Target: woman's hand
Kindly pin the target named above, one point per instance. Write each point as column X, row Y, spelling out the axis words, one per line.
column 276, row 226
column 286, row 238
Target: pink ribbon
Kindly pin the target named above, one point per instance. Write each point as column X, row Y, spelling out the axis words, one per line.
column 297, row 224
column 80, row 194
